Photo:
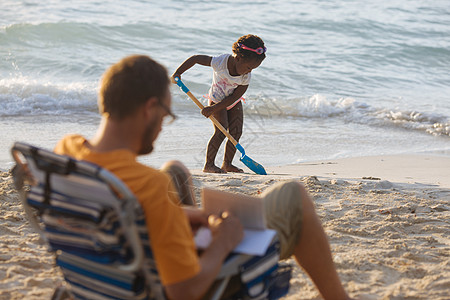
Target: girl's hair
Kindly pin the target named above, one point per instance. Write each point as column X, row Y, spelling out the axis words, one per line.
column 251, row 41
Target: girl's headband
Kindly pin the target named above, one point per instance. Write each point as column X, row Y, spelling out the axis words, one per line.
column 260, row 50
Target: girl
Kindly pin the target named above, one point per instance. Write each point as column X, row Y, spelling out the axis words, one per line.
column 231, row 76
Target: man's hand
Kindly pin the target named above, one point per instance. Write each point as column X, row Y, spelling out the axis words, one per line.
column 197, row 217
column 226, row 232
column 227, row 229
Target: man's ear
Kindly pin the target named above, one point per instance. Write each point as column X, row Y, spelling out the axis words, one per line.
column 150, row 106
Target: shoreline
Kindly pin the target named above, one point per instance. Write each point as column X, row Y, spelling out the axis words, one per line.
column 415, row 170
column 159, row 156
column 386, row 218
column 424, row 168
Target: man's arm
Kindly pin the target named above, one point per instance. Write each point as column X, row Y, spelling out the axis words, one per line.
column 197, row 217
column 227, row 232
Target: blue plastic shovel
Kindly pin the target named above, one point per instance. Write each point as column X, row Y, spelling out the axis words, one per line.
column 250, row 163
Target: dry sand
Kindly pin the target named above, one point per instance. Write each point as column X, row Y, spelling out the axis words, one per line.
column 387, row 218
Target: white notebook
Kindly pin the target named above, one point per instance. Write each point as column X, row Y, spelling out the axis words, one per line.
column 249, row 210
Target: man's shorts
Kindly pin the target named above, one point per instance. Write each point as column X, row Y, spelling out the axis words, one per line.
column 282, row 206
column 283, row 213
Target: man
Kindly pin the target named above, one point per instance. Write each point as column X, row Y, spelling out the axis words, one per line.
column 134, row 99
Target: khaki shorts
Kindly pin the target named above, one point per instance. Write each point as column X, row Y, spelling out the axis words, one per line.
column 283, row 213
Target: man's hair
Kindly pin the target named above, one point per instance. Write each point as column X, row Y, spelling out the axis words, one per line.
column 129, row 83
column 251, row 41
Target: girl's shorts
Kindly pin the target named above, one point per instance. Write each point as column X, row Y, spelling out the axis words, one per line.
column 210, row 101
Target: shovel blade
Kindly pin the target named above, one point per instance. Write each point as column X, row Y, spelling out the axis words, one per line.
column 253, row 165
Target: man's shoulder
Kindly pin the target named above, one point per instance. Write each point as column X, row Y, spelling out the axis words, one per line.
column 69, row 143
column 139, row 168
column 146, row 175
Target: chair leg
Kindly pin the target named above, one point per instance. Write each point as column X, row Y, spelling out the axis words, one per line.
column 217, row 291
column 62, row 293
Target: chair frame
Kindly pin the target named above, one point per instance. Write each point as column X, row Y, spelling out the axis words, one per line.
column 127, row 200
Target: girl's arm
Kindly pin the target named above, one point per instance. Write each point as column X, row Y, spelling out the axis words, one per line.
column 227, row 101
column 203, row 60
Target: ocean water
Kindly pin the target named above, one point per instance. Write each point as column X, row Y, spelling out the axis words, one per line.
column 341, row 78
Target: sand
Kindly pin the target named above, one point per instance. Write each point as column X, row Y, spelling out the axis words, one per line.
column 387, row 219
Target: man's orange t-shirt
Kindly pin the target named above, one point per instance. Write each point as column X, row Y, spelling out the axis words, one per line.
column 170, row 233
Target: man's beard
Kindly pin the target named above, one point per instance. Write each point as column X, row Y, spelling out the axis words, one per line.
column 148, row 138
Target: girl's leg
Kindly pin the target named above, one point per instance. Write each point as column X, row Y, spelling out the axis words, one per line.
column 235, row 124
column 214, row 144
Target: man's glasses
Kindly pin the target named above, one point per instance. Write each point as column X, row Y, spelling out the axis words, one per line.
column 169, row 112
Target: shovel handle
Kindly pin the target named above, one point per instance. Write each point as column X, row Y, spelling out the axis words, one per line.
column 185, row 89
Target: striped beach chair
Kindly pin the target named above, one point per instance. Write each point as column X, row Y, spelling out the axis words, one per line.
column 96, row 228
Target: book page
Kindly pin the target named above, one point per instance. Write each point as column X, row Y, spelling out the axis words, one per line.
column 249, row 210
column 255, row 242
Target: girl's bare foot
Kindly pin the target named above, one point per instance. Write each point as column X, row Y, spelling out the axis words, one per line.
column 213, row 169
column 231, row 168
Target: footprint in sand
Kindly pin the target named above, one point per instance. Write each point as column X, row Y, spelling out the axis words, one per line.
column 6, row 231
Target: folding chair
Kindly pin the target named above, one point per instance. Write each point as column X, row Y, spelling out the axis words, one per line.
column 96, row 228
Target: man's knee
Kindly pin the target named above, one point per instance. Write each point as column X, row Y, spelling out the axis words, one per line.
column 308, row 206
column 283, row 205
column 181, row 179
column 175, row 166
